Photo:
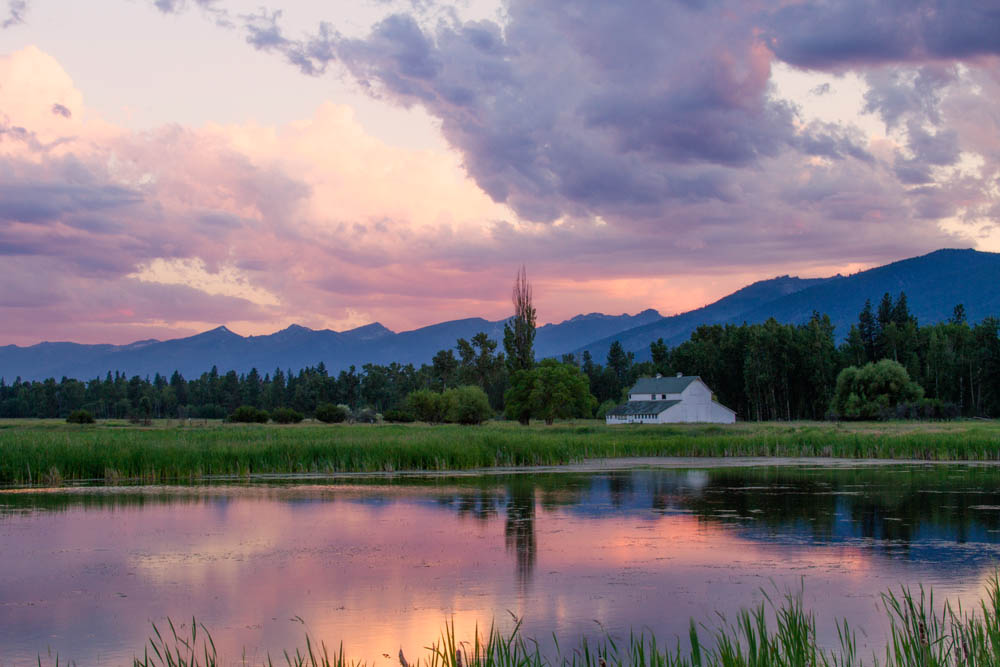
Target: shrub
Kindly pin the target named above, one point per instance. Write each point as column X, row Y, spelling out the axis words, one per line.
column 210, row 411
column 286, row 416
column 467, row 405
column 927, row 408
column 247, row 414
column 80, row 417
column 329, row 413
column 366, row 416
column 428, row 406
column 398, row 416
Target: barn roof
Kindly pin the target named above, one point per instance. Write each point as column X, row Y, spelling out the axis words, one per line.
column 642, row 408
column 663, row 385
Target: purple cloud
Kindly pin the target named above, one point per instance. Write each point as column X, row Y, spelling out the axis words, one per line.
column 16, row 11
column 828, row 34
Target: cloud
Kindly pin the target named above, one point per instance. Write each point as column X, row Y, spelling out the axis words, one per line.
column 260, row 215
column 61, row 110
column 836, row 34
column 608, row 144
column 16, row 11
column 895, row 92
column 211, row 8
column 311, row 56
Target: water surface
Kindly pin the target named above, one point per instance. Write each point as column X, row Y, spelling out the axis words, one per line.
column 383, row 563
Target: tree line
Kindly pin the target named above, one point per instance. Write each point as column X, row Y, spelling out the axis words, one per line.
column 768, row 371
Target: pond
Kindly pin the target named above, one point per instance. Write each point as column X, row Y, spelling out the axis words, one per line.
column 382, row 563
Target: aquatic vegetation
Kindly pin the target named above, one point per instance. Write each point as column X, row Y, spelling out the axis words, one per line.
column 179, row 451
column 773, row 633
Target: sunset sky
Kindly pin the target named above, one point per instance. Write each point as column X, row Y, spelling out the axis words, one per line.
column 167, row 166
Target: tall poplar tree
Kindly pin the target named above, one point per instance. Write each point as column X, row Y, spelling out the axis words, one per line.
column 519, row 330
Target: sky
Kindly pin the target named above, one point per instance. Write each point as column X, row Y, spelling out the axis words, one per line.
column 168, row 166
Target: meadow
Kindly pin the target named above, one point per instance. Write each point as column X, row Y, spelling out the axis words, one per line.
column 51, row 452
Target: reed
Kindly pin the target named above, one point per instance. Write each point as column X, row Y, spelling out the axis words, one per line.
column 773, row 633
column 45, row 453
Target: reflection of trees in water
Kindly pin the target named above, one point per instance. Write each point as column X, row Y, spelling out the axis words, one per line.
column 621, row 485
column 479, row 504
column 892, row 508
column 519, row 530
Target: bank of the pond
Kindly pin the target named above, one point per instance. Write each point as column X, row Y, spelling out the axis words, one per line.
column 50, row 452
column 775, row 633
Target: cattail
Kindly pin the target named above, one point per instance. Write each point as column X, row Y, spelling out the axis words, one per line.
column 458, row 658
column 602, row 663
column 402, row 659
column 922, row 629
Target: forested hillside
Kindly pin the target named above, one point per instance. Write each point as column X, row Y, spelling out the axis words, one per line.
column 933, row 283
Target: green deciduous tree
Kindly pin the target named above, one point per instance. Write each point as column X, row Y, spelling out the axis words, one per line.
column 550, row 391
column 874, row 390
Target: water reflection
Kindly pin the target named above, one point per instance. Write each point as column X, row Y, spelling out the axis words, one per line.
column 519, row 528
column 383, row 562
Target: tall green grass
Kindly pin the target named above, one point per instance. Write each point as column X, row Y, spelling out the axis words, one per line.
column 41, row 454
column 773, row 633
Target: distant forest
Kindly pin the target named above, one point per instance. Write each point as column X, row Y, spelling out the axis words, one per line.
column 768, row 371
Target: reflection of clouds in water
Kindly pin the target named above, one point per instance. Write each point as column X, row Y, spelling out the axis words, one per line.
column 383, row 565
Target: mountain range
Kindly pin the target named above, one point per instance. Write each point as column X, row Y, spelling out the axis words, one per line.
column 933, row 283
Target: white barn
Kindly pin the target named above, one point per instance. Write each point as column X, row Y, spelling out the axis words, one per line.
column 674, row 400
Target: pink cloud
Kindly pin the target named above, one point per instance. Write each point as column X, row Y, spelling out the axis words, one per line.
column 336, row 228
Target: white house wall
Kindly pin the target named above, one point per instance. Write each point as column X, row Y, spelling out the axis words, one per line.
column 696, row 405
column 720, row 414
column 710, row 412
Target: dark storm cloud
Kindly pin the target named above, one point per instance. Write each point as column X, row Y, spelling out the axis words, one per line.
column 837, row 33
column 61, row 110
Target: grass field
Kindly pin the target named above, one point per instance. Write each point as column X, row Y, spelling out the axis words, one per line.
column 49, row 452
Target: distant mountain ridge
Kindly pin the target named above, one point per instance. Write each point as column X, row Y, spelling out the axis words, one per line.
column 933, row 283
column 675, row 329
column 293, row 348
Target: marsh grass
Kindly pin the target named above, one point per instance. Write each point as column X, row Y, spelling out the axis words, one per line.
column 773, row 633
column 173, row 451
